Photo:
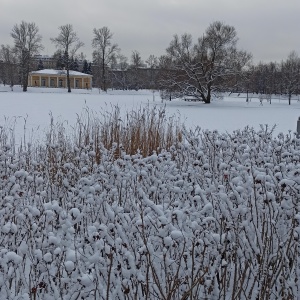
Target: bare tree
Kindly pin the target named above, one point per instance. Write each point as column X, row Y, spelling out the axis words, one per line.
column 28, row 43
column 104, row 53
column 167, row 78
column 202, row 69
column 136, row 64
column 8, row 56
column 152, row 63
column 119, row 72
column 136, row 59
column 290, row 73
column 69, row 43
column 268, row 80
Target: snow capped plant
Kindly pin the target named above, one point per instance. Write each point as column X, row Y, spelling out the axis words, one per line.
column 214, row 217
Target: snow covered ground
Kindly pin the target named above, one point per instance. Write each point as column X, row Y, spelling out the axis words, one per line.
column 229, row 114
column 217, row 217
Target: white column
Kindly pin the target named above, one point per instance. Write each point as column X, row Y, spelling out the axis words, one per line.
column 57, row 81
column 82, row 83
column 74, row 83
column 91, row 82
column 40, row 81
column 49, row 81
column 31, row 80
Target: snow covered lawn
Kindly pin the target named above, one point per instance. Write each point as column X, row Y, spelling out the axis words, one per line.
column 229, row 114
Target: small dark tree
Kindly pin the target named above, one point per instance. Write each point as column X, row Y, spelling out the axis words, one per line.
column 71, row 63
column 89, row 70
column 85, row 67
column 75, row 65
column 60, row 64
column 41, row 65
column 59, row 61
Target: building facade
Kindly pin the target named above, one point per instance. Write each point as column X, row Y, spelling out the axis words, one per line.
column 58, row 79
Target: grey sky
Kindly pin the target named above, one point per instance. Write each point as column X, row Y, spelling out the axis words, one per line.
column 269, row 29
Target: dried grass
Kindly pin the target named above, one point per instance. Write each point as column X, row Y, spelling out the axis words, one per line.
column 144, row 130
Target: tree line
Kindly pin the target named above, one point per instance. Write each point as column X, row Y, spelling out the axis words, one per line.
column 198, row 70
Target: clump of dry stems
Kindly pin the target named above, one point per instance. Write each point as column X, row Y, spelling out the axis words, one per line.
column 143, row 130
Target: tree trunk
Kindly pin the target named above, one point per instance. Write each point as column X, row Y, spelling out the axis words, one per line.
column 24, row 87
column 25, row 72
column 104, row 79
column 103, row 73
column 25, row 82
column 208, row 97
column 290, row 96
column 68, row 80
column 67, row 67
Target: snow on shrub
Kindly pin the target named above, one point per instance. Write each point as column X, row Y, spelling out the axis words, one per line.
column 215, row 217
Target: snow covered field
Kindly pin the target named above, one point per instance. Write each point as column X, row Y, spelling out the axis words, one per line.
column 228, row 114
column 216, row 217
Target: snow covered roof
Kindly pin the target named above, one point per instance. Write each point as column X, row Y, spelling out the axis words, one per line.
column 59, row 72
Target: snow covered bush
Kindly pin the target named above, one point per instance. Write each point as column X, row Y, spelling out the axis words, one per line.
column 214, row 217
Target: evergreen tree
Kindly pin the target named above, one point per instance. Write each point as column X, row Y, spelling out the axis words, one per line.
column 60, row 62
column 75, row 65
column 41, row 65
column 89, row 71
column 71, row 63
column 85, row 67
column 66, row 60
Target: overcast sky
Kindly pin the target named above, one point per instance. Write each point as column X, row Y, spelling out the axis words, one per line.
column 269, row 29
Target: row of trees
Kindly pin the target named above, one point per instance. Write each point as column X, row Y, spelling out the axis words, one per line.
column 274, row 78
column 199, row 70
column 17, row 60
